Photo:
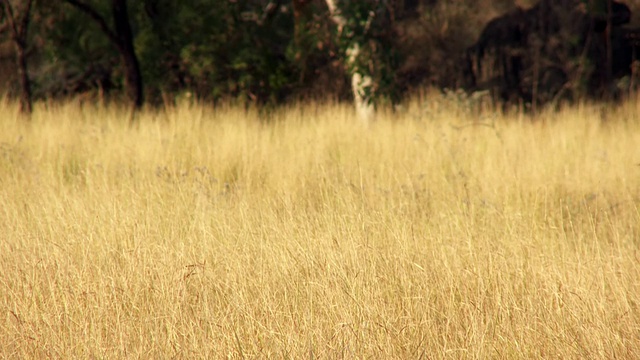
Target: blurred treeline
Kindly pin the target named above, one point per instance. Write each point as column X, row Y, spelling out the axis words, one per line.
column 263, row 51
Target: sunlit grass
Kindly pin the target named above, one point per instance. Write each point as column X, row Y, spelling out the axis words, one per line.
column 212, row 233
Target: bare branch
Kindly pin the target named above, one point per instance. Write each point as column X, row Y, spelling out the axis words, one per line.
column 8, row 11
column 92, row 13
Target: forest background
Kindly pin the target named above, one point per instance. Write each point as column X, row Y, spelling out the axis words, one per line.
column 253, row 51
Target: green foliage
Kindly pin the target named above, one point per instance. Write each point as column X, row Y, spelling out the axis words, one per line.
column 70, row 47
column 369, row 27
column 256, row 52
column 216, row 49
column 244, row 49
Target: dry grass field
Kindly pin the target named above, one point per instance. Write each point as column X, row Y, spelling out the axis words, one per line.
column 435, row 233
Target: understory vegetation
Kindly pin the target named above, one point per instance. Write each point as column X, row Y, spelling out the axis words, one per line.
column 440, row 231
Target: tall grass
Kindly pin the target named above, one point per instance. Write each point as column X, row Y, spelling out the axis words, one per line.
column 215, row 233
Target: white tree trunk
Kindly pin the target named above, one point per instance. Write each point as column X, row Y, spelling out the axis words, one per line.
column 361, row 82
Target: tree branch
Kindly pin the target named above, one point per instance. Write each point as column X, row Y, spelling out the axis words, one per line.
column 92, row 13
column 8, row 11
column 26, row 17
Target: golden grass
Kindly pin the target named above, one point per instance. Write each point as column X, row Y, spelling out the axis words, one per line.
column 215, row 233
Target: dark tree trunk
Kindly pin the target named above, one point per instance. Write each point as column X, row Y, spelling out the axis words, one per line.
column 608, row 71
column 26, row 105
column 122, row 38
column 133, row 77
column 18, row 23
